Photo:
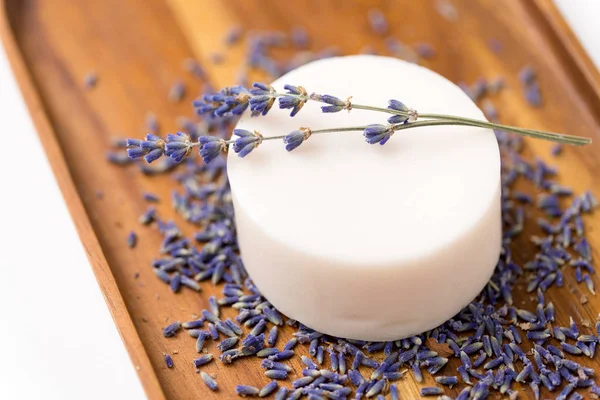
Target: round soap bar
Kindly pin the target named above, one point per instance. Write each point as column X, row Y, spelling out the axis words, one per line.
column 366, row 241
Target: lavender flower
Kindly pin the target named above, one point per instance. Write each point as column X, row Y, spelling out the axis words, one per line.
column 246, row 142
column 296, row 99
column 151, row 149
column 336, row 104
column 263, row 98
column 178, row 146
column 211, row 147
column 296, row 138
column 398, row 106
column 378, row 133
column 229, row 101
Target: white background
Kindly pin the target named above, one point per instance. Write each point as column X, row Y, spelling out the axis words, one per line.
column 52, row 346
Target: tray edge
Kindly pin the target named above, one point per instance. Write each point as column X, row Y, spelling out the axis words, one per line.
column 570, row 44
column 104, row 277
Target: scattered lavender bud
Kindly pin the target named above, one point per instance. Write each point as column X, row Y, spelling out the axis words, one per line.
column 377, row 22
column 90, row 80
column 131, row 240
column 177, row 92
column 446, row 10
column 301, row 382
column 446, row 380
column 168, row 361
column 267, row 352
column 276, row 374
column 151, row 123
column 299, row 37
column 290, row 344
column 209, row 381
column 151, row 197
column 431, row 391
column 557, row 149
column 282, row 393
column 227, row 343
column 203, row 360
column 268, row 389
column 233, row 35
column 425, row 50
column 282, row 355
column 172, row 329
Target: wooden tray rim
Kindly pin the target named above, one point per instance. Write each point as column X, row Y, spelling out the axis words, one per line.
column 110, row 290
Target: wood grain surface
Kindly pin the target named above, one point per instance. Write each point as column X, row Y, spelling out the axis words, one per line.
column 137, row 48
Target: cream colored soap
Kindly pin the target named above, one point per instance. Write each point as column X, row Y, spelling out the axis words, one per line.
column 366, row 241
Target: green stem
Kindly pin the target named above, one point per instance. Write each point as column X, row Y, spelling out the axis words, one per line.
column 555, row 137
column 463, row 121
column 329, row 130
column 396, row 127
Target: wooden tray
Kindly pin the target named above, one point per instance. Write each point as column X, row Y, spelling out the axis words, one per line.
column 137, row 48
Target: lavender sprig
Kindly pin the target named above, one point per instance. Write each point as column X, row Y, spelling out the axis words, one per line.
column 261, row 98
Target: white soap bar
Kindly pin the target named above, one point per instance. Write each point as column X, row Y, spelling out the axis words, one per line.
column 366, row 241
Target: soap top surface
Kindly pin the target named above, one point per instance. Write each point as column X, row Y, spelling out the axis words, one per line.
column 340, row 198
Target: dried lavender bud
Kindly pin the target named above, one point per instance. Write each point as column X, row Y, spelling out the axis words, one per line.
column 151, row 149
column 177, row 92
column 431, row 391
column 245, row 390
column 131, row 240
column 168, row 361
column 269, row 364
column 172, row 329
column 377, row 22
column 282, row 355
column 309, row 363
column 268, row 389
column 203, row 360
column 290, row 344
column 378, row 133
column 375, row 389
column 301, row 382
column 267, row 352
column 282, row 393
column 299, row 37
column 90, row 80
column 276, row 374
column 209, row 381
column 233, row 35
column 246, row 142
column 569, row 348
column 227, row 343
column 193, row 67
column 425, row 50
column 446, row 380
column 336, row 104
